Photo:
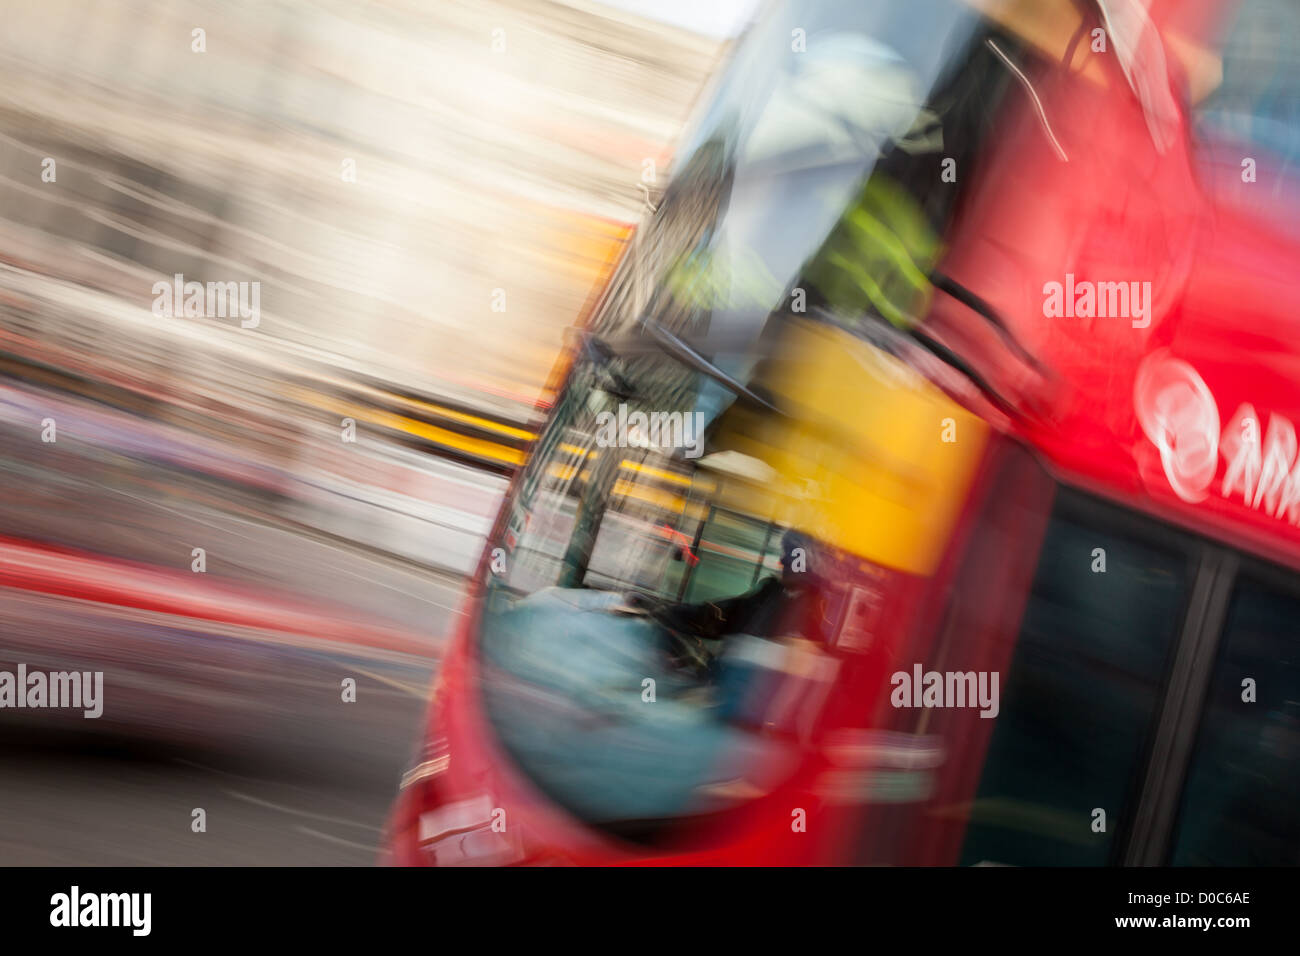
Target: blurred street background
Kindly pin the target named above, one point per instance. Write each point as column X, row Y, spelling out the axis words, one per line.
column 230, row 521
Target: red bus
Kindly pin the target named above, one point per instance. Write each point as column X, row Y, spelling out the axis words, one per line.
column 923, row 487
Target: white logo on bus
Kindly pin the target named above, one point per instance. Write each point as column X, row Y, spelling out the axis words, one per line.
column 1180, row 416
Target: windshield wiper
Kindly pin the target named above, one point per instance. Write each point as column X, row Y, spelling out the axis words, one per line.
column 981, row 308
column 956, row 362
column 902, row 343
column 684, row 353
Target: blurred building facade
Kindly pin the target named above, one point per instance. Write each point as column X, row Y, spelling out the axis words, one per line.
column 426, row 192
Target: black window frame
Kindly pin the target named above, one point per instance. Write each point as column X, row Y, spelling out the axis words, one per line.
column 1237, row 566
column 1217, row 568
column 1091, row 510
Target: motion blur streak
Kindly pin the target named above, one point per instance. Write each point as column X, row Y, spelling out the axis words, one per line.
column 235, row 519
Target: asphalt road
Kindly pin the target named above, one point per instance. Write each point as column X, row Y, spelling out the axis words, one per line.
column 87, row 798
column 247, row 723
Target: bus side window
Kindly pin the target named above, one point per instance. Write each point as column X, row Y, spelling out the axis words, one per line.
column 1081, row 695
column 1239, row 806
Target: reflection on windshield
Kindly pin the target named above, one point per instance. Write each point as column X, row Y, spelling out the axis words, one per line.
column 633, row 709
column 815, row 97
column 668, row 631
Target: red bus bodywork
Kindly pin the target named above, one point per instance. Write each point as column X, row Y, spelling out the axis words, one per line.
column 1184, row 415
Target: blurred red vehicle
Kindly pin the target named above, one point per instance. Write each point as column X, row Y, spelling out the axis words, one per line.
column 990, row 303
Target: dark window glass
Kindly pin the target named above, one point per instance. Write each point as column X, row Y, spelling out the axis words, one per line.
column 1240, row 804
column 1080, row 697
